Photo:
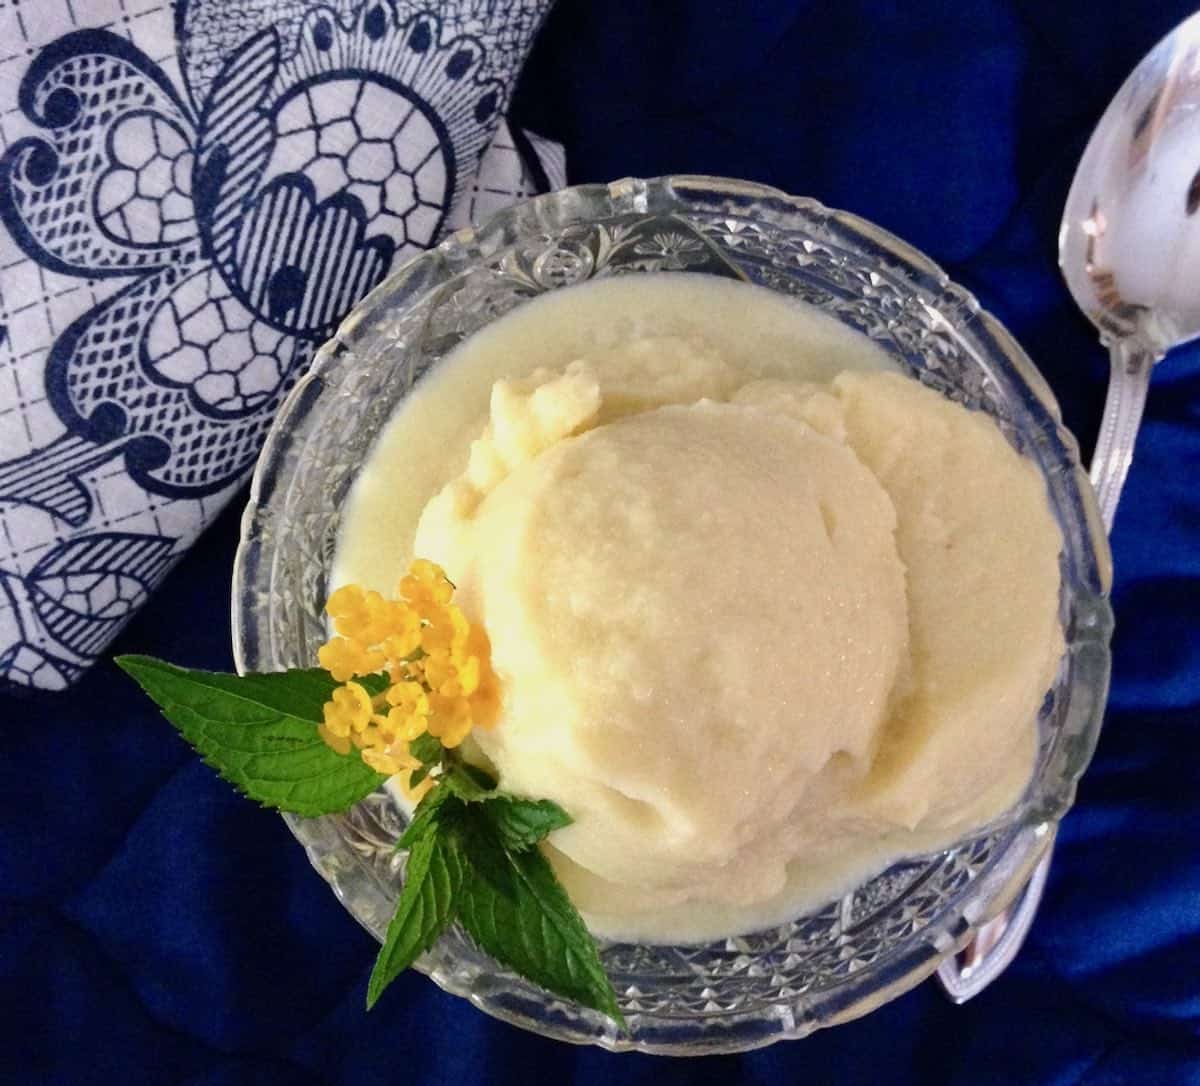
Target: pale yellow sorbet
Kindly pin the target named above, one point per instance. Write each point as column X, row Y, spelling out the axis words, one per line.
column 759, row 636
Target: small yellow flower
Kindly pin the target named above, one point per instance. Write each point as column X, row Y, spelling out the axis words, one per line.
column 404, row 631
column 336, row 742
column 404, row 725
column 405, row 671
column 437, row 661
column 391, row 760
column 382, row 729
column 452, row 677
column 344, row 658
column 349, row 710
column 408, row 716
column 469, row 671
column 366, row 617
column 485, row 697
column 426, row 582
column 347, row 608
column 447, row 632
column 439, row 671
column 409, row 696
column 377, row 623
column 454, row 734
column 450, row 721
column 381, row 762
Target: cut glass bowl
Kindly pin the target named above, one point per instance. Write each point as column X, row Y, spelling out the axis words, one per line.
column 829, row 965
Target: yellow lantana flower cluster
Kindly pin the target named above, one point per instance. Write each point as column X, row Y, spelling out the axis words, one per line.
column 437, row 663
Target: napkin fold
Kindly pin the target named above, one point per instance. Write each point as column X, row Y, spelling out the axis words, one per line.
column 193, row 196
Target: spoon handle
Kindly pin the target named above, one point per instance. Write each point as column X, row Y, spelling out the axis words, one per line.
column 993, row 947
column 1123, row 406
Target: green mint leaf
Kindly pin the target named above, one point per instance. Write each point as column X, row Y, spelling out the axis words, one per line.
column 517, row 912
column 427, row 749
column 418, row 775
column 259, row 732
column 432, row 882
column 480, row 776
column 522, row 823
column 468, row 783
column 423, row 818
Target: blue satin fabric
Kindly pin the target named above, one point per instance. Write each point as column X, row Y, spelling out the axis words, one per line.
column 155, row 928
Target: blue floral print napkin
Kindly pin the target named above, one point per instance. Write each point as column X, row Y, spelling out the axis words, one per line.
column 192, row 195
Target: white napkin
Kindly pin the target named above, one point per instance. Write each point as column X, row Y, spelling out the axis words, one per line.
column 192, row 197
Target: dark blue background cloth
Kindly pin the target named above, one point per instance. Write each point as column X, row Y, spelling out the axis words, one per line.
column 155, row 928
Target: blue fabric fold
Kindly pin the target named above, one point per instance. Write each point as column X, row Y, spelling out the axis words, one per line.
column 155, row 928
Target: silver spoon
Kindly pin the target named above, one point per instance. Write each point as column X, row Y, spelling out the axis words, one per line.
column 1129, row 249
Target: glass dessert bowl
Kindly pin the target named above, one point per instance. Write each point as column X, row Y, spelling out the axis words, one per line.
column 831, row 964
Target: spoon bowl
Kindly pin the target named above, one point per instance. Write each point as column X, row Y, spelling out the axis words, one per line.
column 1129, row 246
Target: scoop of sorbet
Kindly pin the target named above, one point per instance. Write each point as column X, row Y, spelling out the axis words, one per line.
column 677, row 603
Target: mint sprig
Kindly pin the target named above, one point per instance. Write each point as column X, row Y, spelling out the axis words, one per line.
column 259, row 732
column 518, row 912
column 432, row 885
column 476, row 861
column 519, row 824
column 473, row 855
